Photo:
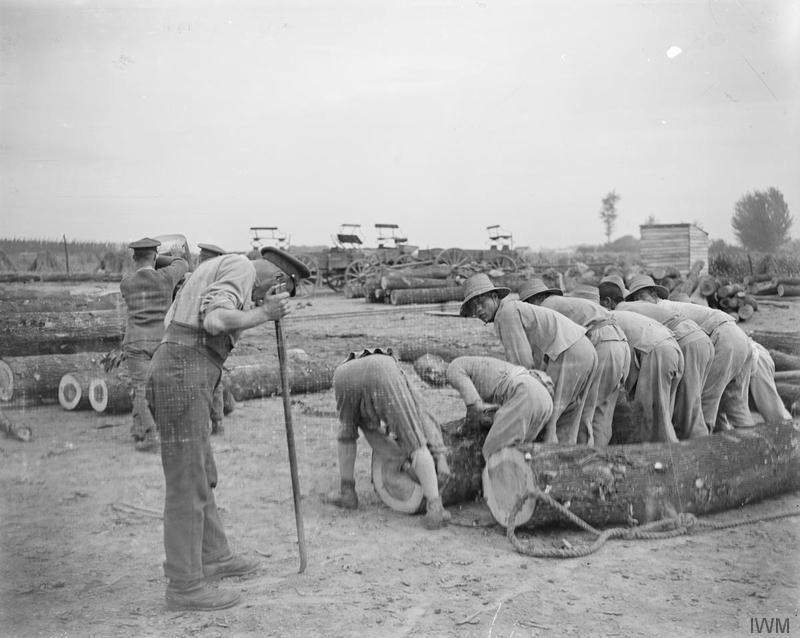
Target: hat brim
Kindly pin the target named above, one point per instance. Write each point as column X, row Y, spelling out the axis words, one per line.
column 286, row 262
column 662, row 292
column 501, row 291
column 549, row 291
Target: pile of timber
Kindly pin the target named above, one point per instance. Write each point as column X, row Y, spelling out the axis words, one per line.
column 769, row 285
column 55, row 332
column 34, row 380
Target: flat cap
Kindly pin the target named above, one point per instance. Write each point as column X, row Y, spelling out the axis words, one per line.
column 292, row 267
column 212, row 248
column 146, row 243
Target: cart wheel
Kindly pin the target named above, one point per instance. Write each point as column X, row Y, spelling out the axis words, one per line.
column 335, row 282
column 357, row 272
column 504, row 263
column 308, row 286
column 453, row 257
column 403, row 260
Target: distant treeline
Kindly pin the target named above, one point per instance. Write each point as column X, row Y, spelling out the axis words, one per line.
column 43, row 255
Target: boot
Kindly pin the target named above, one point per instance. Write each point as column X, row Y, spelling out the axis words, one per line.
column 436, row 515
column 150, row 443
column 198, row 596
column 234, row 565
column 347, row 498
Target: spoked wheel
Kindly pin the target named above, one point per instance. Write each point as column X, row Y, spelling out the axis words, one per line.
column 453, row 257
column 504, row 263
column 357, row 272
column 403, row 260
column 308, row 286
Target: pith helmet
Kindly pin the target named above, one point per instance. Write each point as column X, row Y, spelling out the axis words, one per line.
column 535, row 287
column 586, row 291
column 640, row 282
column 478, row 285
column 615, row 280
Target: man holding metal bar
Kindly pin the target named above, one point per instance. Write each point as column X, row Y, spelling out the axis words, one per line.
column 222, row 298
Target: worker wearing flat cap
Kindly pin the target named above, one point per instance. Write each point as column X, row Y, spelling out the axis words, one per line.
column 644, row 297
column 148, row 294
column 542, row 339
column 223, row 297
column 610, row 343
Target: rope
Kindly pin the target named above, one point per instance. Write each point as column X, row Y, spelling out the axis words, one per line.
column 679, row 525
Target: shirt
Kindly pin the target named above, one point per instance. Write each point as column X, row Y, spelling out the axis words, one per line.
column 582, row 311
column 529, row 333
column 684, row 329
column 483, row 378
column 643, row 333
column 226, row 282
column 709, row 319
column 148, row 295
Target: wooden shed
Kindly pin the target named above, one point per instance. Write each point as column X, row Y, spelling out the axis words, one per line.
column 676, row 245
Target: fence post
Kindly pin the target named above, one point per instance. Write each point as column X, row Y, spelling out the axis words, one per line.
column 66, row 252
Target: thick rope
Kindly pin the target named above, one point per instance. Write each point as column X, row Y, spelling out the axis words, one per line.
column 667, row 528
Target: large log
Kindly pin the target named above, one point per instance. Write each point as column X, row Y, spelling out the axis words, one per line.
column 37, row 333
column 392, row 280
column 73, row 391
column 256, row 380
column 788, row 290
column 440, row 271
column 618, row 485
column 788, row 342
column 790, row 395
column 34, row 380
column 63, row 303
column 788, row 376
column 111, row 393
column 784, row 361
column 426, row 295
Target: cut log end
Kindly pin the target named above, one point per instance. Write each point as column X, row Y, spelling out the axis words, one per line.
column 506, row 478
column 394, row 486
column 6, row 382
column 73, row 391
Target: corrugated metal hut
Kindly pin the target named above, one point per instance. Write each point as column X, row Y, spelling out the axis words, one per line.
column 673, row 245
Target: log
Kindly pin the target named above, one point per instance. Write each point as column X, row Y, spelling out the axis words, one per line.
column 788, row 376
column 73, row 391
column 750, row 301
column 37, row 333
column 110, row 393
column 788, row 290
column 617, row 485
column 396, row 281
column 689, row 284
column 35, row 380
column 745, row 311
column 20, row 432
column 769, row 287
column 64, row 303
column 256, row 380
column 784, row 361
column 25, row 277
column 441, row 271
column 707, row 285
column 426, row 295
column 788, row 342
column 788, row 281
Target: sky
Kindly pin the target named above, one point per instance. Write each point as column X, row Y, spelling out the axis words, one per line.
column 127, row 119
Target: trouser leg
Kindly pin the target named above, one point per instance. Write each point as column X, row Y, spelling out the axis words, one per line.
column 733, row 401
column 688, row 415
column 572, row 374
column 613, row 361
column 138, row 364
column 523, row 413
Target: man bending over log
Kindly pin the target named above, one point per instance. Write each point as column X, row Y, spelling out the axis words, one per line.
column 608, row 339
column 148, row 295
column 656, row 369
column 371, row 389
column 519, row 399
column 644, row 297
column 546, row 340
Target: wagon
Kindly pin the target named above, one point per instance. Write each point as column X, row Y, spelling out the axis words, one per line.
column 500, row 254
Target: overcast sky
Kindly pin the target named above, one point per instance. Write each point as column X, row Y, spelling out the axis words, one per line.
column 125, row 119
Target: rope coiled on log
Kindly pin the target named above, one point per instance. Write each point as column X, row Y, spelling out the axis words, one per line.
column 679, row 525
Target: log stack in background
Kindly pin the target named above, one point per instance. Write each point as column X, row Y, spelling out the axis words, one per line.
column 34, row 380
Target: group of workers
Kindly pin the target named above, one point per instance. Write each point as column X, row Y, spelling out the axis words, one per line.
column 686, row 369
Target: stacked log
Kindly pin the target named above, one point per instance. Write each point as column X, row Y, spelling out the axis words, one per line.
column 73, row 391
column 39, row 333
column 34, row 380
column 257, row 380
column 110, row 393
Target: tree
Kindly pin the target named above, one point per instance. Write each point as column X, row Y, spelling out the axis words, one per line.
column 761, row 220
column 609, row 213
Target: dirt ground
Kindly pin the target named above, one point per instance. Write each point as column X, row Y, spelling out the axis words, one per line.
column 81, row 535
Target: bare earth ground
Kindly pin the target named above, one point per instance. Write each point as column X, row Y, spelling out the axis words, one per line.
column 77, row 560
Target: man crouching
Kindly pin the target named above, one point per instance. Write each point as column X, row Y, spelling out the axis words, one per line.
column 371, row 388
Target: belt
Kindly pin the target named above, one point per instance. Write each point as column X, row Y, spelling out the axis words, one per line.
column 215, row 347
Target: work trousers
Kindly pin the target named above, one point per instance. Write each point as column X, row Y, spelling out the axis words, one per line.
column 179, row 393
column 572, row 374
column 763, row 391
column 613, row 362
column 698, row 354
column 726, row 387
column 525, row 407
column 137, row 361
column 659, row 372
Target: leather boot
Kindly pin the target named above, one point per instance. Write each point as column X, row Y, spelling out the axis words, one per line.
column 347, row 498
column 197, row 596
column 234, row 565
column 436, row 515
